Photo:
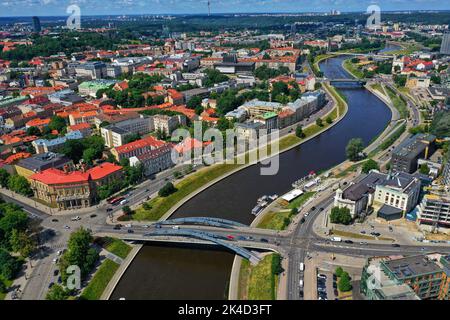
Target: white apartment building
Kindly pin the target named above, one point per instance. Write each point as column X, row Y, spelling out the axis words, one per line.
column 114, row 135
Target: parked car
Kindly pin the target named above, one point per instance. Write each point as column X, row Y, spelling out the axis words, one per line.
column 55, row 220
column 348, row 241
column 396, row 245
column 116, row 227
column 130, row 231
column 264, row 240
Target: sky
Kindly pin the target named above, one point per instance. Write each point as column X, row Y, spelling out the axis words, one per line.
column 94, row 7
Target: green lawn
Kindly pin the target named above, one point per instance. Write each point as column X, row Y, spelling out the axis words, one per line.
column 160, row 205
column 263, row 280
column 281, row 220
column 117, row 247
column 399, row 103
column 353, row 69
column 377, row 87
column 301, row 200
column 275, row 220
column 100, row 281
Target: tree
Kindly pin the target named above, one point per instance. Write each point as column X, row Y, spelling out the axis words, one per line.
column 344, row 284
column 89, row 155
column 167, row 190
column 319, row 122
column 354, row 147
column 339, row 271
column 340, row 216
column 194, row 102
column 57, row 123
column 79, row 253
column 20, row 185
column 370, row 165
column 329, row 120
column 440, row 126
column 127, row 210
column 33, row 131
column 73, row 149
column 9, row 265
column 299, row 132
column 57, row 292
column 4, row 176
column 424, row 169
column 22, row 243
column 3, row 288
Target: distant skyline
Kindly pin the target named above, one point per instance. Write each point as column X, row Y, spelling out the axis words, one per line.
column 117, row 7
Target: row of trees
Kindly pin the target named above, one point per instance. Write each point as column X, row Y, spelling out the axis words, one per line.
column 80, row 253
column 16, row 242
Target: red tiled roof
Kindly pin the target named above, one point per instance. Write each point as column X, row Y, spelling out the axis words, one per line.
column 17, row 156
column 103, row 170
column 81, row 126
column 54, row 176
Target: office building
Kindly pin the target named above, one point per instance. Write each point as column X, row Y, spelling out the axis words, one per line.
column 407, row 154
column 37, row 24
column 116, row 134
column 155, row 160
column 40, row 162
column 406, row 278
column 445, row 46
column 434, row 212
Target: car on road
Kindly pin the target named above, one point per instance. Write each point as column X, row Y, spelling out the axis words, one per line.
column 92, row 216
column 301, row 294
column 322, row 276
column 313, row 208
column 55, row 272
column 391, row 229
column 264, row 240
column 158, row 226
column 128, row 225
column 55, row 260
column 123, row 202
column 55, row 220
column 50, row 285
column 109, row 209
column 363, row 232
column 230, row 237
column 77, row 218
column 117, row 227
column 375, row 234
column 348, row 241
column 67, row 227
column 396, row 245
column 145, row 226
column 130, row 231
column 242, row 238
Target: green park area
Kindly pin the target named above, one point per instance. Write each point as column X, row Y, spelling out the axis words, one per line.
column 260, row 282
column 280, row 220
column 398, row 103
column 117, row 247
column 353, row 69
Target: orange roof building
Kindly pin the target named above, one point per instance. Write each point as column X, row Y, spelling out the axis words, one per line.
column 76, row 189
column 136, row 148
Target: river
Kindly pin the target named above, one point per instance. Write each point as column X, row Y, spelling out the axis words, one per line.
column 180, row 272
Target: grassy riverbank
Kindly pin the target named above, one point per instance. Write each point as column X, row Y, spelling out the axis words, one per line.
column 117, row 247
column 260, row 282
column 157, row 207
column 353, row 69
column 280, row 220
column 100, row 281
column 398, row 103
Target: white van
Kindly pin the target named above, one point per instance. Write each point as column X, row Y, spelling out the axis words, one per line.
column 123, row 202
column 300, row 283
column 302, row 267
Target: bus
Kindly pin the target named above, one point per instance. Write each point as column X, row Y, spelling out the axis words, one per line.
column 115, row 201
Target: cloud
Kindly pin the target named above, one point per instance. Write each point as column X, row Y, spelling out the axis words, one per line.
column 58, row 7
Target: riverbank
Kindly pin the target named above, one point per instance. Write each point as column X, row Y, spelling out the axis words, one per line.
column 161, row 208
column 106, row 295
